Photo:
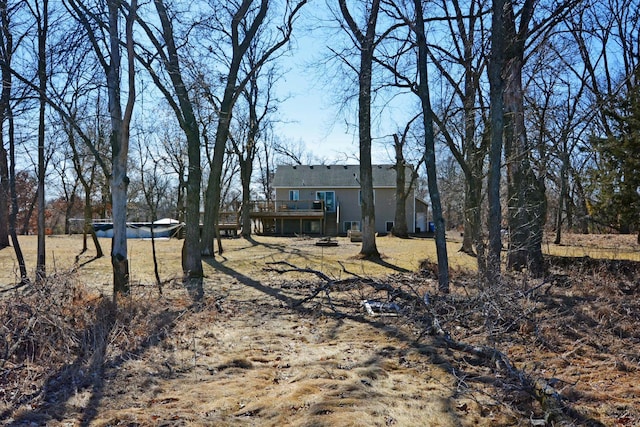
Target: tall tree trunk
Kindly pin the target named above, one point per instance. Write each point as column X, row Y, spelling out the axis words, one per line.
column 369, row 248
column 474, row 155
column 5, row 98
column 525, row 191
column 191, row 258
column 43, row 26
column 496, row 82
column 120, row 142
column 430, row 153
column 231, row 91
column 366, row 43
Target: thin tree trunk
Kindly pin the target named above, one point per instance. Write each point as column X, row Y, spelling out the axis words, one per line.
column 561, row 199
column 24, row 279
column 5, row 99
column 214, row 185
column 88, row 228
column 87, row 185
column 430, row 154
column 472, row 203
column 581, row 206
column 69, row 209
column 4, row 190
column 43, row 26
column 156, row 268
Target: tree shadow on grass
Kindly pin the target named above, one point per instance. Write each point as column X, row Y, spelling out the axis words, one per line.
column 439, row 350
column 87, row 262
column 91, row 367
column 381, row 262
column 248, row 281
column 284, row 249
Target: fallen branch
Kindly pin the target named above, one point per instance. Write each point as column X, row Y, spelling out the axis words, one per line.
column 292, row 268
column 551, row 401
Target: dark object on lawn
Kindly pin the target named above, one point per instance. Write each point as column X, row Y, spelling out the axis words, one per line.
column 327, row 241
column 379, row 308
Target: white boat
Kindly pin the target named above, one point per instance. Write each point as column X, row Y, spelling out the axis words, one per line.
column 162, row 228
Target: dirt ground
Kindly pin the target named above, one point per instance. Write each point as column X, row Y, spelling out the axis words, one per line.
column 272, row 347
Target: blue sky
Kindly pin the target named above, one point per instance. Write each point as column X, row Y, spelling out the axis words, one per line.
column 310, row 113
column 308, row 110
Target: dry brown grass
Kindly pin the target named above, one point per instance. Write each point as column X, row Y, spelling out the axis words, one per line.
column 253, row 354
column 240, row 255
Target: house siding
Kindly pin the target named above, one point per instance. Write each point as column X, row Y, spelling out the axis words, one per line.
column 344, row 181
column 348, row 206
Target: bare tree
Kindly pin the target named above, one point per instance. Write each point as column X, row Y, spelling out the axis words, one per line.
column 154, row 185
column 6, row 53
column 464, row 120
column 496, row 83
column 267, row 167
column 177, row 95
column 558, row 118
column 40, row 12
column 109, row 55
column 8, row 159
column 429, row 154
column 366, row 43
column 293, row 152
column 254, row 128
column 86, row 168
column 247, row 18
column 527, row 204
column 177, row 161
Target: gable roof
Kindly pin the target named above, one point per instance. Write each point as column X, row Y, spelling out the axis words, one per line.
column 332, row 176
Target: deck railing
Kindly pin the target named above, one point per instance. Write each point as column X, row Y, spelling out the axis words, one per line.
column 287, row 205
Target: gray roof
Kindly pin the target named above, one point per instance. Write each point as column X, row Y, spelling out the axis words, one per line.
column 332, row 176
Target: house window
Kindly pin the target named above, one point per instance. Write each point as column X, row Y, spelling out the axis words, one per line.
column 329, row 199
column 389, row 226
column 360, row 197
column 294, row 194
column 351, row 225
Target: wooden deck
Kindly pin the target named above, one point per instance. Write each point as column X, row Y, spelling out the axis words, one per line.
column 287, row 217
